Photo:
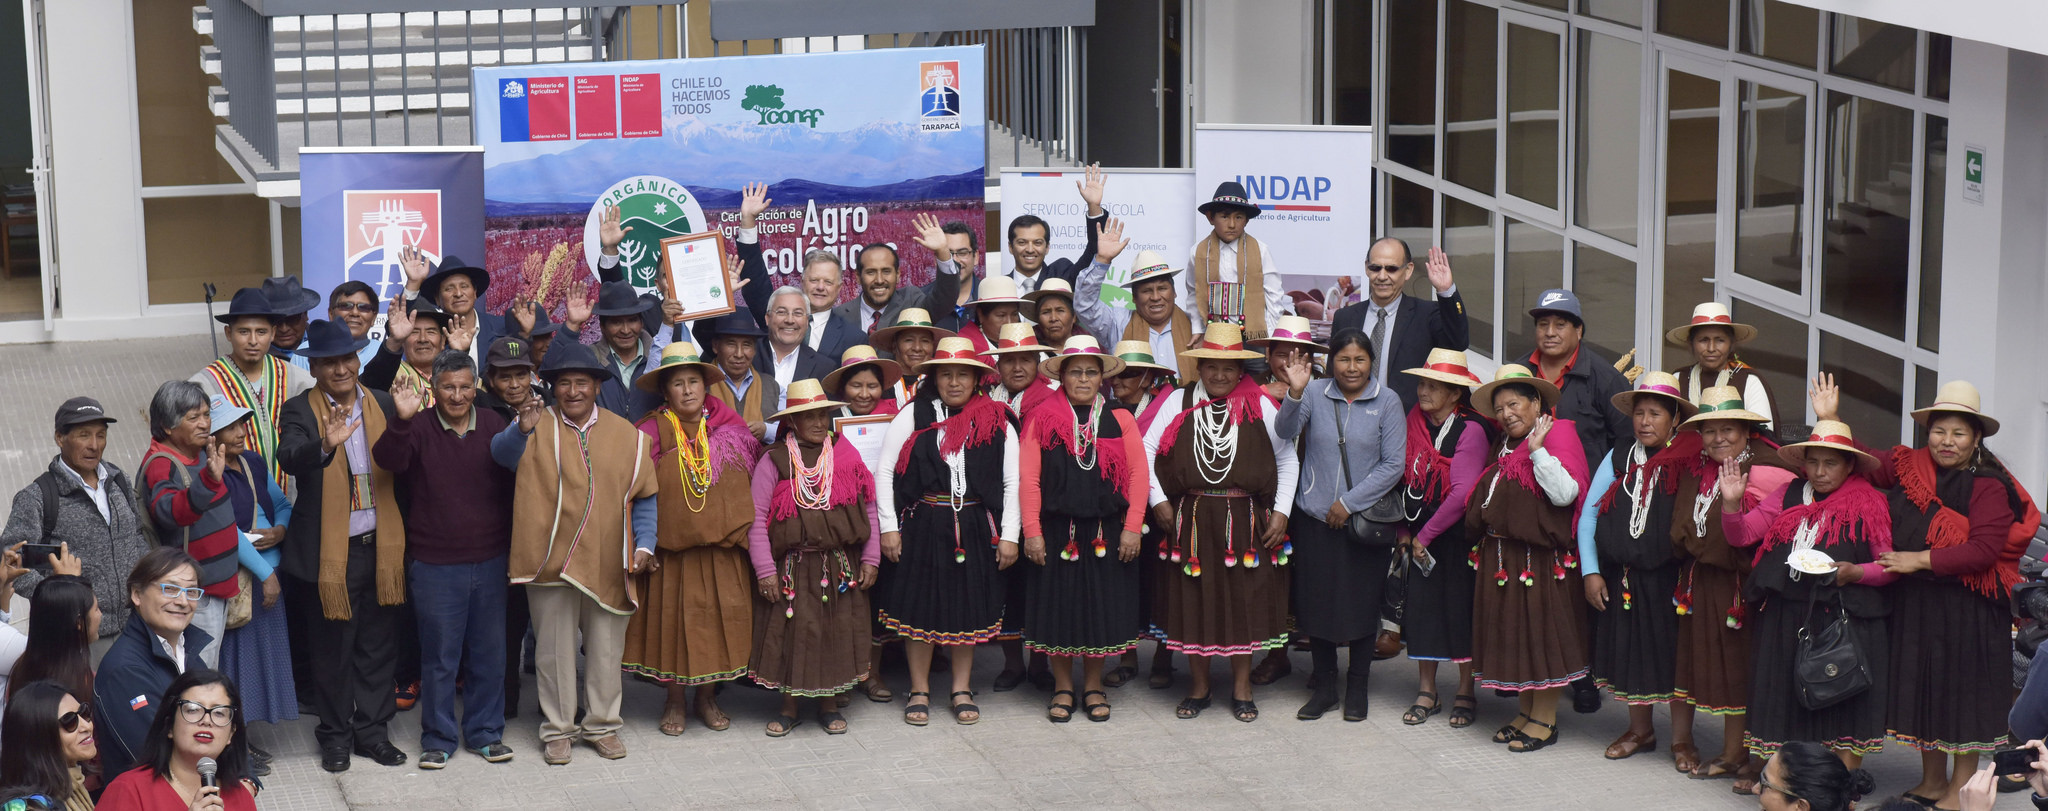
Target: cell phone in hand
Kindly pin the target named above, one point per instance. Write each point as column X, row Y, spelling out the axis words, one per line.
column 1427, row 563
column 37, row 555
column 2013, row 761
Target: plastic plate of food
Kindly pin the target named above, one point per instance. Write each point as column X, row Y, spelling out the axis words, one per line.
column 1810, row 561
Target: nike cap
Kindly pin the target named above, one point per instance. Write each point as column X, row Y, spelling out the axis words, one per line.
column 1562, row 302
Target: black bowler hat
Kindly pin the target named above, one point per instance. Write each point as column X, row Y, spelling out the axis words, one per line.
column 79, row 411
column 738, row 323
column 423, row 308
column 542, row 325
column 1230, row 194
column 618, row 298
column 452, row 266
column 570, row 356
column 289, row 297
column 328, row 339
column 249, row 302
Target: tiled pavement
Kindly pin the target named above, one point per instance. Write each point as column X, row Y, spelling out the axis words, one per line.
column 1143, row 757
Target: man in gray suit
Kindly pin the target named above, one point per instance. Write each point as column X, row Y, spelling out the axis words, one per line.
column 880, row 300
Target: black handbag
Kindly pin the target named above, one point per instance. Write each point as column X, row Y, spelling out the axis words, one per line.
column 1378, row 525
column 1828, row 668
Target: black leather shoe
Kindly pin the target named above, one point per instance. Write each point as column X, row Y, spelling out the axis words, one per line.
column 1355, row 695
column 1323, row 699
column 383, row 752
column 334, row 760
column 1585, row 697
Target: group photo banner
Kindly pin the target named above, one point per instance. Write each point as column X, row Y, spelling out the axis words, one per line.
column 853, row 146
column 359, row 207
column 1313, row 187
column 1152, row 204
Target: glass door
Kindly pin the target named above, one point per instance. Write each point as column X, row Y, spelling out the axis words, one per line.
column 1689, row 191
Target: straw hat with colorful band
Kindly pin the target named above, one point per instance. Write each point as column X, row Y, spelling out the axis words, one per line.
column 1957, row 397
column 1051, row 287
column 955, row 351
column 804, row 395
column 1656, row 384
column 1081, row 346
column 1138, row 355
column 860, row 355
column 911, row 318
column 1018, row 337
column 1722, row 403
column 1710, row 314
column 1148, row 266
column 677, row 355
column 1292, row 329
column 1221, row 341
column 1447, row 366
column 1828, row 434
column 996, row 290
column 1513, row 373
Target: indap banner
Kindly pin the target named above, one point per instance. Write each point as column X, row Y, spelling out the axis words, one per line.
column 358, row 207
column 1152, row 204
column 853, row 145
column 1313, row 187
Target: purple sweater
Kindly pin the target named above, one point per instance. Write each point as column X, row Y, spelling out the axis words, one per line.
column 459, row 499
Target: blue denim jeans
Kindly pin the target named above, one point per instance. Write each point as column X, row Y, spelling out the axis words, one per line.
column 461, row 613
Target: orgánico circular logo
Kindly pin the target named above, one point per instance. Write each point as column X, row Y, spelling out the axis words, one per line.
column 655, row 208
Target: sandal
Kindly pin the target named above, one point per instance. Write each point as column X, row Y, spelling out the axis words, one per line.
column 827, row 719
column 1746, row 778
column 1057, row 712
column 1274, row 667
column 960, row 710
column 1529, row 743
column 716, row 720
column 787, row 724
column 1119, row 677
column 1507, row 733
column 1716, row 769
column 1417, row 714
column 1091, row 708
column 1191, row 707
column 876, row 691
column 1464, row 710
column 920, row 708
column 1244, row 710
column 1685, row 757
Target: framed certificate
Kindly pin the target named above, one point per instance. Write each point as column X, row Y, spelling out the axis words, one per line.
column 865, row 435
column 693, row 274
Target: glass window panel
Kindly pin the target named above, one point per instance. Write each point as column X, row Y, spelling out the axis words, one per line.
column 1351, row 65
column 1609, row 135
column 1468, row 238
column 1704, row 21
column 170, row 93
column 1556, row 4
column 1924, row 387
column 1471, row 46
column 1933, row 208
column 1535, row 114
column 189, row 241
column 1626, row 12
column 1778, row 355
column 1411, row 83
column 1535, row 263
column 1873, row 51
column 1940, row 48
column 1606, row 285
column 1778, row 30
column 1770, row 195
column 1867, row 238
column 1411, row 217
column 1873, row 388
column 1692, row 144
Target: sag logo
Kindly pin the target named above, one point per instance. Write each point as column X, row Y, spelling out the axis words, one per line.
column 938, row 95
column 376, row 224
column 651, row 208
column 766, row 99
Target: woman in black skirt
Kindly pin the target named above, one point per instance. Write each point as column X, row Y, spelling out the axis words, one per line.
column 1446, row 446
column 1955, row 544
column 1352, row 436
column 1631, row 571
column 1082, row 499
column 947, row 488
column 1833, row 510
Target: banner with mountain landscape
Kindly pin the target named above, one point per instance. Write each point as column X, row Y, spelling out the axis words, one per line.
column 852, row 145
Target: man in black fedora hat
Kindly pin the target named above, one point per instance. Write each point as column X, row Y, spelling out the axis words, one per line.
column 250, row 376
column 414, row 333
column 292, row 301
column 625, row 344
column 458, row 289
column 577, row 465
column 734, row 341
column 1230, row 275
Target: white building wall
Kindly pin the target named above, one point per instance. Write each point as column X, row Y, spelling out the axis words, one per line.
column 1254, row 61
column 2019, row 24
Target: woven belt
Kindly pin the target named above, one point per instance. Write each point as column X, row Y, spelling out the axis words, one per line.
column 946, row 499
column 1227, row 492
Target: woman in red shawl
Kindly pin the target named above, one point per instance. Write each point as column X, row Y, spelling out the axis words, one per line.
column 1447, row 443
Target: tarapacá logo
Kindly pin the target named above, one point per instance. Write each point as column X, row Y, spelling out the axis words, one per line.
column 766, row 99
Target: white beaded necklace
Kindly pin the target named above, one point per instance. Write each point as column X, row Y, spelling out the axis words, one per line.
column 1415, row 467
column 956, row 462
column 1705, row 501
column 1086, row 449
column 1215, row 441
column 1808, row 531
column 1640, row 495
column 1495, row 481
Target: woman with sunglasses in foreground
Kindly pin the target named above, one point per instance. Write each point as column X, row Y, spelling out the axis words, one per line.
column 130, row 684
column 46, row 737
column 199, row 720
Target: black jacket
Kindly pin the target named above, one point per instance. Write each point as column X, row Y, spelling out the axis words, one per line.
column 1588, row 401
column 810, row 363
column 299, row 454
column 128, row 689
column 1419, row 326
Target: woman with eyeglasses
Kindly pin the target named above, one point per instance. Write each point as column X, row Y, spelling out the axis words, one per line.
column 1806, row 775
column 200, row 719
column 44, row 740
column 159, row 643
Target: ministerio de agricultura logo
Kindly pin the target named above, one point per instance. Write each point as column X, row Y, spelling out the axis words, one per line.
column 654, row 208
column 766, row 99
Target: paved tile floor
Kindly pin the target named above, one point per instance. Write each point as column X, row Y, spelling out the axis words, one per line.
column 1014, row 758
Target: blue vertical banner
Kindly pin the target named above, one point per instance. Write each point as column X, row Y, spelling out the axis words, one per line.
column 512, row 124
column 359, row 207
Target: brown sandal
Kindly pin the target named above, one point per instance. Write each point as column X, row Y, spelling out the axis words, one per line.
column 1630, row 744
column 1717, row 769
column 1746, row 778
column 1685, row 756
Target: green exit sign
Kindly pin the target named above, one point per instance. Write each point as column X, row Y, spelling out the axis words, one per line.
column 1973, row 174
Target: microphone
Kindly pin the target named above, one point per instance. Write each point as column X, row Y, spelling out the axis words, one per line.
column 209, row 773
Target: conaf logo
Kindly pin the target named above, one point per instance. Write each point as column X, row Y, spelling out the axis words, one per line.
column 766, row 99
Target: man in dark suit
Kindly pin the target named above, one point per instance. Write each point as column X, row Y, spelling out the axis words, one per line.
column 784, row 313
column 880, row 300
column 1029, row 239
column 1405, row 328
column 350, row 568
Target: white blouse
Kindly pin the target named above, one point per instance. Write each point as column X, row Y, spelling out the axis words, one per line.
column 900, row 430
column 1284, row 457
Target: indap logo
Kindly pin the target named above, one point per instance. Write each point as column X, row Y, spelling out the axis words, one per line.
column 1287, row 193
column 766, row 99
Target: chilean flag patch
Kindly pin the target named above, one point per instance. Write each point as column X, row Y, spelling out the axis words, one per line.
column 138, row 702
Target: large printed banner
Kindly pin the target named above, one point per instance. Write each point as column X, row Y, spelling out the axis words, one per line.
column 358, row 207
column 1313, row 186
column 853, row 145
column 1152, row 204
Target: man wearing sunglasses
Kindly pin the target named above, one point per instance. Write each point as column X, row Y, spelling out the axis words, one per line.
column 352, row 303
column 1404, row 328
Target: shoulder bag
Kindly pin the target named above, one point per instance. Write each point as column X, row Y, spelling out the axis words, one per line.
column 1828, row 668
column 1379, row 524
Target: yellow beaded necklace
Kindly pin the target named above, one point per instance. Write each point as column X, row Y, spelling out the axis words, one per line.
column 693, row 459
